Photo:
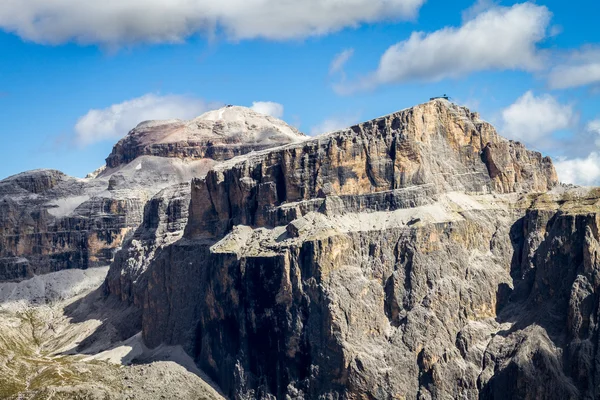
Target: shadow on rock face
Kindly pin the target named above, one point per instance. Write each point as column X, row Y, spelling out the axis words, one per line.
column 548, row 352
column 118, row 321
column 119, row 328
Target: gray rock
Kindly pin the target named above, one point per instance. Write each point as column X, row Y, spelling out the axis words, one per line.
column 416, row 256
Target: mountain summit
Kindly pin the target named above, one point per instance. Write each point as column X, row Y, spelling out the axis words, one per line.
column 218, row 134
column 411, row 256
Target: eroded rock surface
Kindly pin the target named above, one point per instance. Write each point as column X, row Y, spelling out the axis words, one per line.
column 165, row 217
column 416, row 256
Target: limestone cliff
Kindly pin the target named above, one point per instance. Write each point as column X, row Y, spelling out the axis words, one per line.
column 416, row 256
column 435, row 145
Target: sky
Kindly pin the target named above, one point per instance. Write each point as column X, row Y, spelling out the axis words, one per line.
column 76, row 76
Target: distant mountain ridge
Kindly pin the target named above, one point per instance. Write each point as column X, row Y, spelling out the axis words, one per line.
column 218, row 134
column 50, row 221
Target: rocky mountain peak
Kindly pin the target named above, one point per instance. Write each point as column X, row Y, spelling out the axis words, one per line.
column 434, row 147
column 416, row 255
column 219, row 134
column 419, row 255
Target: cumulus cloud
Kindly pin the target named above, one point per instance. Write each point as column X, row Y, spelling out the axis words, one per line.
column 580, row 69
column 268, row 108
column 337, row 65
column 500, row 38
column 477, row 8
column 115, row 121
column 118, row 22
column 583, row 170
column 333, row 124
column 533, row 119
column 594, row 126
column 580, row 171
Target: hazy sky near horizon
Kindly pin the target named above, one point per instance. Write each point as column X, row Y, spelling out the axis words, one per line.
column 77, row 76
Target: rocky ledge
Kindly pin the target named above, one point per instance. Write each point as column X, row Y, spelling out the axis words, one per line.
column 416, row 256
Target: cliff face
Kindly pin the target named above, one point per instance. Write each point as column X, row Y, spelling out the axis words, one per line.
column 435, row 144
column 165, row 217
column 416, row 256
column 50, row 221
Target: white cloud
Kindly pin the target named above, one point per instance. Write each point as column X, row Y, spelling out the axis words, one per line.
column 594, row 126
column 119, row 22
column 580, row 171
column 268, row 108
column 337, row 65
column 534, row 119
column 582, row 68
column 593, row 132
column 501, row 38
column 334, row 124
column 116, row 121
column 477, row 8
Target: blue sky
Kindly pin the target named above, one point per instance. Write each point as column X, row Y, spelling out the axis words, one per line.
column 74, row 78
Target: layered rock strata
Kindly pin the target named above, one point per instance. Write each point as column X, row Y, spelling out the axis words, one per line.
column 419, row 255
column 218, row 135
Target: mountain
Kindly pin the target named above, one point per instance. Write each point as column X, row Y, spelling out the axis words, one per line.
column 406, row 257
column 50, row 221
column 217, row 135
column 419, row 255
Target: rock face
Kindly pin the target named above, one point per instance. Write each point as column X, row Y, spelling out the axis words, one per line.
column 434, row 145
column 416, row 256
column 165, row 217
column 50, row 221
